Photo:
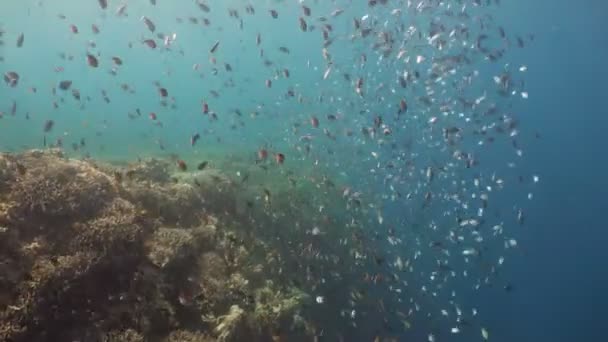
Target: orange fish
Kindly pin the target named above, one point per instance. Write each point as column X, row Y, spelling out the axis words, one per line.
column 262, row 154
column 182, row 165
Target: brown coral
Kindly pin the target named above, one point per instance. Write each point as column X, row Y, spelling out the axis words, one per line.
column 173, row 204
column 86, row 255
column 52, row 187
column 128, row 335
column 117, row 229
column 188, row 336
column 168, row 245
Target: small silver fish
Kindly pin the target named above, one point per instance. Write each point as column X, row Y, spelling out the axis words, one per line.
column 20, row 40
column 121, row 10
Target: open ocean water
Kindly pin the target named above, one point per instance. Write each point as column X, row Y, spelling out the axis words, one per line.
column 561, row 295
column 421, row 170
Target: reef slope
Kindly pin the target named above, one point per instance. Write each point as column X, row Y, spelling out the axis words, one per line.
column 95, row 252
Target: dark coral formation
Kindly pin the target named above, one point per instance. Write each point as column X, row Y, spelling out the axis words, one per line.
column 92, row 252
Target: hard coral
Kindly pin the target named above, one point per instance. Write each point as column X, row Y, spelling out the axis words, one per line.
column 213, row 275
column 36, row 298
column 169, row 245
column 8, row 168
column 128, row 335
column 150, row 170
column 53, row 187
column 89, row 255
column 274, row 306
column 232, row 325
column 172, row 204
column 117, row 228
column 174, row 245
column 188, row 336
column 217, row 192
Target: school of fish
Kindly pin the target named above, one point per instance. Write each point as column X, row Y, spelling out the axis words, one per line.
column 396, row 103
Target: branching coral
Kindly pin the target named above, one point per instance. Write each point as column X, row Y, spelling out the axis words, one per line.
column 48, row 280
column 229, row 325
column 8, row 168
column 188, row 336
column 117, row 229
column 212, row 270
column 53, row 187
column 149, row 170
column 128, row 335
column 169, row 245
column 274, row 306
column 173, row 204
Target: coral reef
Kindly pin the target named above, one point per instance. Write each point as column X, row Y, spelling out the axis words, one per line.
column 275, row 307
column 66, row 188
column 150, row 170
column 231, row 324
column 188, row 336
column 96, row 252
column 128, row 335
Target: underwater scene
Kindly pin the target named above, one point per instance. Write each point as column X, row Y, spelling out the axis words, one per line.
column 281, row 170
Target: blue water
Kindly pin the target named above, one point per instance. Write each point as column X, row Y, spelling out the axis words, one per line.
column 557, row 272
column 562, row 276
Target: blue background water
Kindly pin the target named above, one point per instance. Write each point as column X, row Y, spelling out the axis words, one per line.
column 561, row 280
column 560, row 277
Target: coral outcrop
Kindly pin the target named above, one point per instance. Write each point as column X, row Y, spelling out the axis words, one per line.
column 95, row 252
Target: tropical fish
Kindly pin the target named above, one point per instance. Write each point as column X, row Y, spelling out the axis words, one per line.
column 92, row 61
column 11, row 78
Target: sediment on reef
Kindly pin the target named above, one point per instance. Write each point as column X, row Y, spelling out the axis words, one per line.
column 93, row 252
